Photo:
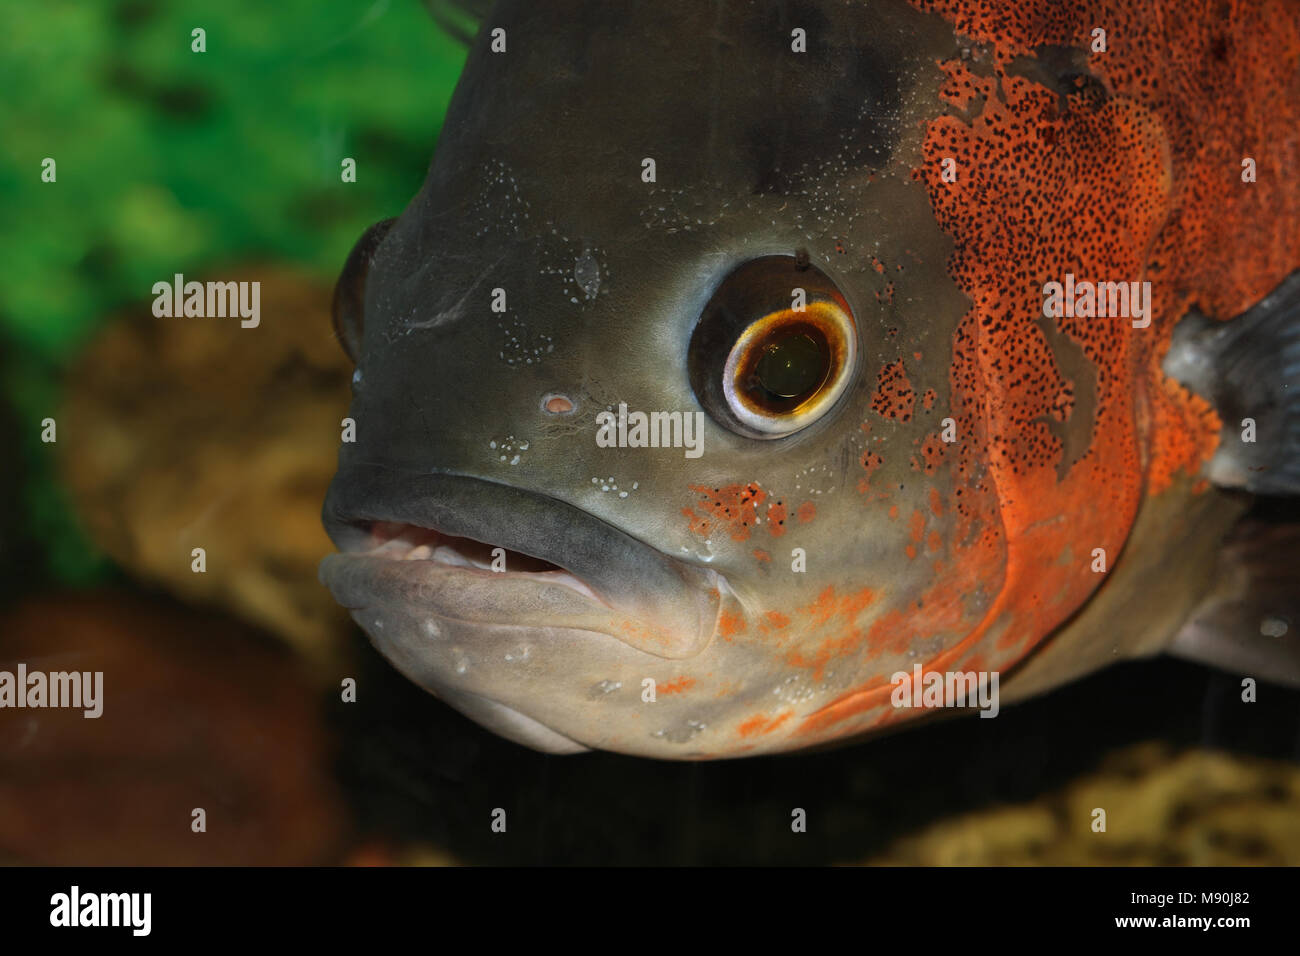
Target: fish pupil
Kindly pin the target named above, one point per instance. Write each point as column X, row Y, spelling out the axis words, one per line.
column 791, row 365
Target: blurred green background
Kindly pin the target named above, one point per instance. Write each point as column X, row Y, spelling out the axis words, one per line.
column 170, row 161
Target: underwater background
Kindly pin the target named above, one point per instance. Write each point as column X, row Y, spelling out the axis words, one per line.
column 225, row 692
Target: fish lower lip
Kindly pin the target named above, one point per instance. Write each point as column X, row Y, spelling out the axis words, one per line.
column 364, row 581
column 586, row 571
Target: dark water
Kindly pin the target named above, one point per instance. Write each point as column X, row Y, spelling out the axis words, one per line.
column 417, row 772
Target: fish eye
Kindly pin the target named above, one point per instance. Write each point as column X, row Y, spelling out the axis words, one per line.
column 774, row 348
column 348, row 309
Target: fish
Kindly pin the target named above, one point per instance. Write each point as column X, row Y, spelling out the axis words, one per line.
column 984, row 319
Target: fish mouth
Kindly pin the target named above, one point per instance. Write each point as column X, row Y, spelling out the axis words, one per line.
column 470, row 550
column 400, row 541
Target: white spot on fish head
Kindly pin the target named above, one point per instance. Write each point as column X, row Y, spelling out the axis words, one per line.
column 609, row 485
column 586, row 272
column 509, row 449
column 521, row 346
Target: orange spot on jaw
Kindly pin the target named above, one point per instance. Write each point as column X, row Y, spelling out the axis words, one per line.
column 697, row 523
column 731, row 507
column 677, row 685
column 761, row 555
column 944, row 613
column 776, row 515
column 777, row 619
column 781, row 719
column 729, row 625
column 844, row 611
column 759, row 724
column 752, row 725
column 807, row 511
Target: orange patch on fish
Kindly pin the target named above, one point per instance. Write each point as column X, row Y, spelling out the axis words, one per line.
column 776, row 515
column 916, row 526
column 844, row 610
column 1153, row 197
column 931, row 456
column 830, row 605
column 729, row 624
column 936, row 502
column 677, row 685
column 734, row 508
column 941, row 611
column 870, row 461
column 761, row 724
column 894, row 397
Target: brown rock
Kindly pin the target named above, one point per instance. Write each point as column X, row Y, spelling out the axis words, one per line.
column 1163, row 807
column 183, row 433
column 198, row 711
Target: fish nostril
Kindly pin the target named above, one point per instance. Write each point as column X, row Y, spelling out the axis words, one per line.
column 557, row 404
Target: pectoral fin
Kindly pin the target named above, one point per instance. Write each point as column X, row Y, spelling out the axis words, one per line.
column 1249, row 369
column 1249, row 622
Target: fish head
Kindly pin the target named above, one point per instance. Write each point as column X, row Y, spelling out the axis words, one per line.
column 651, row 378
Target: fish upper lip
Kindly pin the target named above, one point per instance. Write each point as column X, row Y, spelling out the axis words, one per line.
column 403, row 541
column 659, row 604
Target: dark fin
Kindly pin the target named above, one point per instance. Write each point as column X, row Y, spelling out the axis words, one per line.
column 459, row 18
column 1249, row 622
column 1249, row 367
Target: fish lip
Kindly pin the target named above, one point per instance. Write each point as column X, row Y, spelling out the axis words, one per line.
column 678, row 603
column 356, row 544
